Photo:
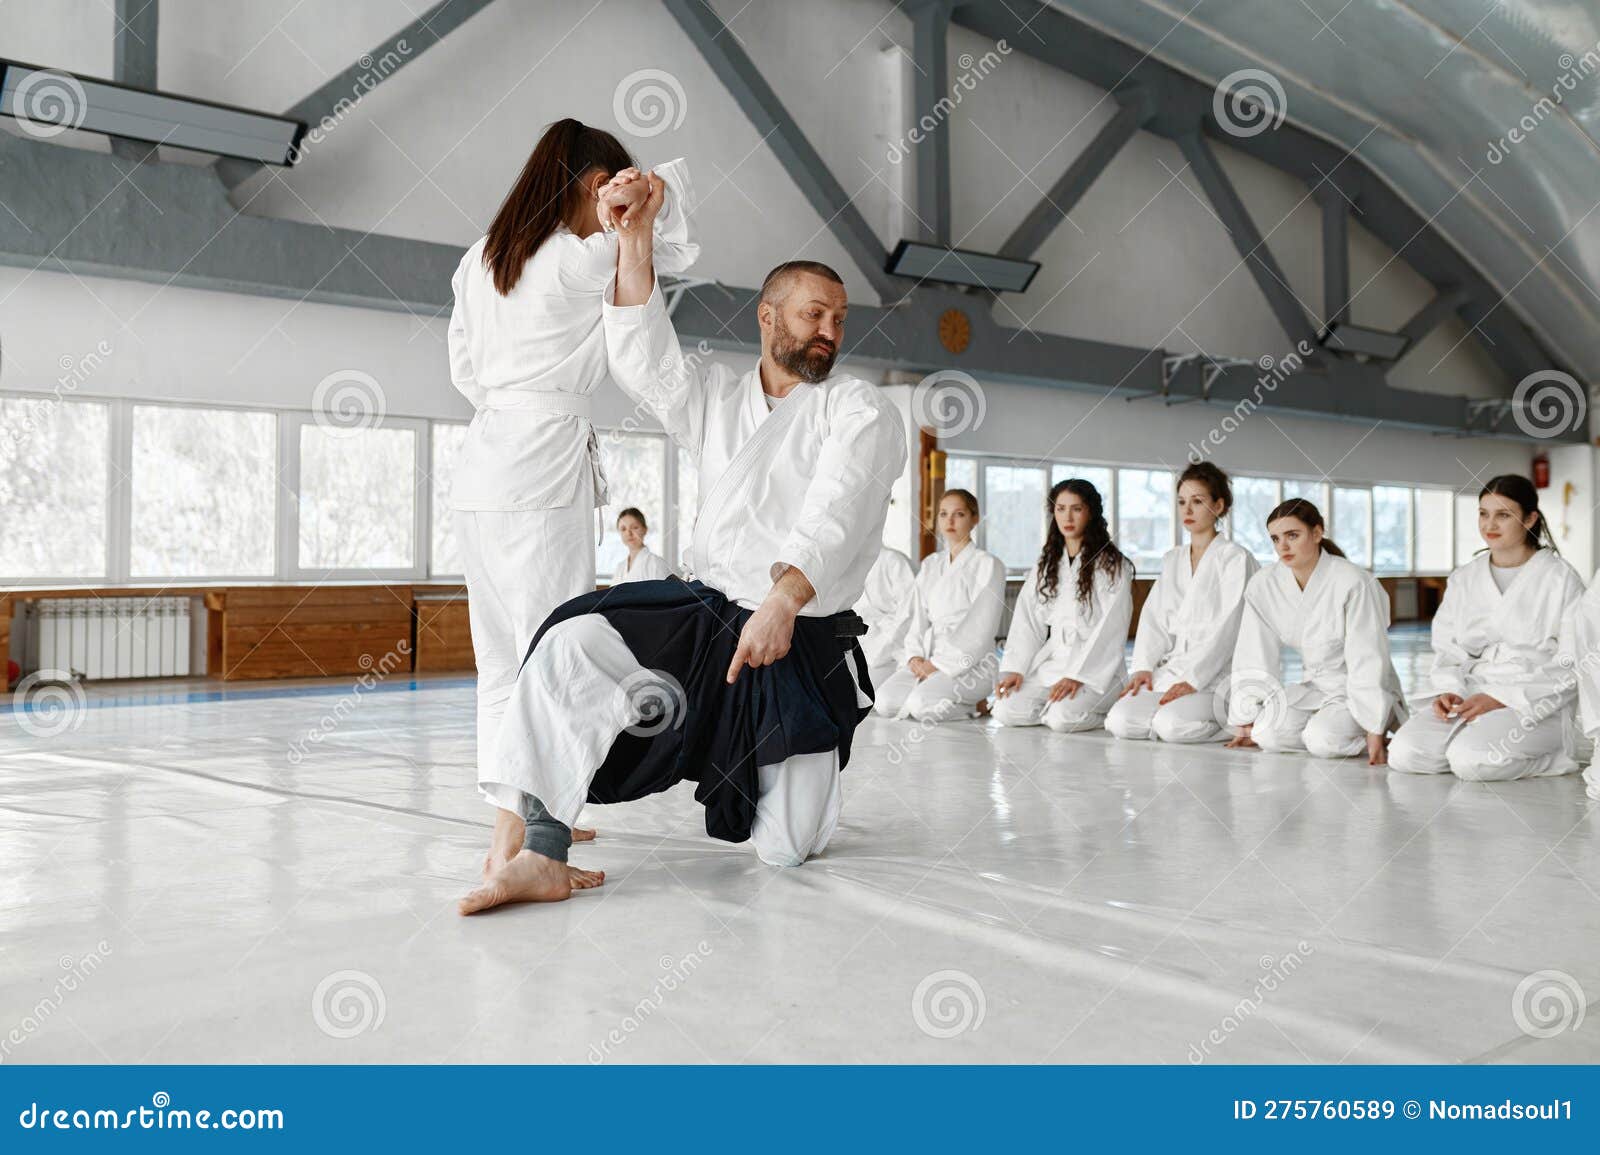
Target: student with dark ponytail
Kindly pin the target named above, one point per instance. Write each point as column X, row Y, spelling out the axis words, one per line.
column 1336, row 615
column 1504, row 705
column 1063, row 665
column 1189, row 624
column 527, row 349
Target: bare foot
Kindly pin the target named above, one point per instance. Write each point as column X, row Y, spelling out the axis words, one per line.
column 530, row 877
column 505, row 842
column 582, row 834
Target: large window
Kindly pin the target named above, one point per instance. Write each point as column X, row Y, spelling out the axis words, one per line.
column 1145, row 504
column 961, row 473
column 636, row 469
column 445, row 554
column 1352, row 523
column 1316, row 492
column 1391, row 529
column 204, row 492
column 1098, row 476
column 357, row 498
column 54, row 461
column 1014, row 514
column 1253, row 499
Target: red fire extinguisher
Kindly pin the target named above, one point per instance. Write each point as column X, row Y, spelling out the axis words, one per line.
column 1541, row 471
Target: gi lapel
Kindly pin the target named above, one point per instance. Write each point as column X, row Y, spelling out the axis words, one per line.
column 769, row 431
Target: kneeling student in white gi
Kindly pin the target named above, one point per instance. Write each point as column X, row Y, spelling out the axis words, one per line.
column 1063, row 665
column 887, row 607
column 1337, row 616
column 1183, row 648
column 947, row 663
column 1505, row 704
column 749, row 681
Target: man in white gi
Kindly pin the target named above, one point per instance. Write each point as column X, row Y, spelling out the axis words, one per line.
column 796, row 466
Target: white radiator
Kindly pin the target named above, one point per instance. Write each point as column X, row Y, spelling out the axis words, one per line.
column 102, row 638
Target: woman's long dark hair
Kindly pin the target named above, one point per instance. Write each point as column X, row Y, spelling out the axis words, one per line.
column 1515, row 487
column 1098, row 549
column 1308, row 515
column 546, row 193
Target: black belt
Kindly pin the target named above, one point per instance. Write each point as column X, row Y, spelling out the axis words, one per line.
column 848, row 624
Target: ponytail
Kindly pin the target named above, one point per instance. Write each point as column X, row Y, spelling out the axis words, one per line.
column 546, row 193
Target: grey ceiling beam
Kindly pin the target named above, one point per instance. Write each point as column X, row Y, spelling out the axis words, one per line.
column 1029, row 236
column 930, row 85
column 1335, row 256
column 347, row 87
column 906, row 338
column 778, row 128
column 1247, row 239
column 134, row 48
column 1428, row 318
column 91, row 213
column 1050, row 35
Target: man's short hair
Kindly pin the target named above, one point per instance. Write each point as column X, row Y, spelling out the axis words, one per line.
column 776, row 285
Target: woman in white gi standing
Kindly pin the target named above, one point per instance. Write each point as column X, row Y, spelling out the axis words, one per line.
column 1505, row 702
column 947, row 664
column 642, row 564
column 1183, row 649
column 1337, row 616
column 1063, row 664
column 527, row 348
column 887, row 607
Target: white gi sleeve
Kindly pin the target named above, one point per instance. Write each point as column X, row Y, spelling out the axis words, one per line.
column 461, row 374
column 1449, row 656
column 1153, row 641
column 972, row 642
column 1029, row 625
column 1257, row 665
column 1368, row 686
column 1208, row 659
column 648, row 365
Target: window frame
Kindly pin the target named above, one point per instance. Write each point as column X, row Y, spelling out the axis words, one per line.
column 290, row 423
column 108, row 506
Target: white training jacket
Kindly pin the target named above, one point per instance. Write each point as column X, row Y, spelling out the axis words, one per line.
column 529, row 361
column 1190, row 622
column 957, row 610
column 804, row 484
column 1061, row 637
column 1339, row 624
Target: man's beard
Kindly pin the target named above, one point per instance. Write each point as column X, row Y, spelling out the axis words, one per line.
column 811, row 361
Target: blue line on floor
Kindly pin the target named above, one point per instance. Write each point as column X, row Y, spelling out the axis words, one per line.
column 38, row 701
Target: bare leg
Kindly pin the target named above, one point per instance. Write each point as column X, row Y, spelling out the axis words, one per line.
column 530, row 877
